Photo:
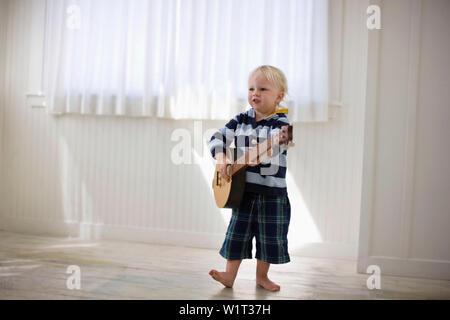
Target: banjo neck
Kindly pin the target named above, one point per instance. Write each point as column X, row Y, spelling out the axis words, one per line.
column 261, row 150
column 241, row 163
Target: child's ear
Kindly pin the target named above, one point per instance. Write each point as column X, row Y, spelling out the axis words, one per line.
column 280, row 96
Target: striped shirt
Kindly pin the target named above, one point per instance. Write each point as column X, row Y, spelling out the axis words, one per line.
column 269, row 177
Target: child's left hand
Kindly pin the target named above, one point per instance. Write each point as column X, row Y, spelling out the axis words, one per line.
column 252, row 153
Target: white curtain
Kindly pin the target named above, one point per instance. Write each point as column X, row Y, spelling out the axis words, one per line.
column 183, row 59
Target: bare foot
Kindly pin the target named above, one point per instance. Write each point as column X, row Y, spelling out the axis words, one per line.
column 223, row 277
column 267, row 284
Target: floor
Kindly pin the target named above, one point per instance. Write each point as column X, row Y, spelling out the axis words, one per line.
column 34, row 267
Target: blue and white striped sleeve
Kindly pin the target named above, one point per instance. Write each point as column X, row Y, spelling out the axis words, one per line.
column 223, row 137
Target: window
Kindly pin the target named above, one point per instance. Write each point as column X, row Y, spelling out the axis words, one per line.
column 182, row 58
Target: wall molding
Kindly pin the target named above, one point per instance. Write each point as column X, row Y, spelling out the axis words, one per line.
column 96, row 231
column 370, row 145
column 416, row 268
column 411, row 123
column 329, row 250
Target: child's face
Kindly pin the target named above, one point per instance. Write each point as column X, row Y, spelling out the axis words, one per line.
column 263, row 96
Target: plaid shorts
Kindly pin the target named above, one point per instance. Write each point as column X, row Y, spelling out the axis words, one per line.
column 267, row 219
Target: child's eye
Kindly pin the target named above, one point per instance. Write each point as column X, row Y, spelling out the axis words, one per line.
column 262, row 89
column 251, row 89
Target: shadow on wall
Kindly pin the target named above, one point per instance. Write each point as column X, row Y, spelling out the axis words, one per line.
column 120, row 182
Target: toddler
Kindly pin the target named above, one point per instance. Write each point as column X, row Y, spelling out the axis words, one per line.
column 265, row 211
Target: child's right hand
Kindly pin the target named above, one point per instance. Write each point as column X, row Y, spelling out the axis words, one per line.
column 224, row 165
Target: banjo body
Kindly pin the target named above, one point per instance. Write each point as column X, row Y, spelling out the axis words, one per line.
column 228, row 194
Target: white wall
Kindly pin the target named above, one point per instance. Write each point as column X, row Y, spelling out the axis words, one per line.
column 113, row 178
column 406, row 183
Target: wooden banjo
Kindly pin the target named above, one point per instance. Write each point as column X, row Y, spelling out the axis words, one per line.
column 228, row 194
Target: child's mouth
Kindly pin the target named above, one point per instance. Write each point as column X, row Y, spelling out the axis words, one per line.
column 256, row 100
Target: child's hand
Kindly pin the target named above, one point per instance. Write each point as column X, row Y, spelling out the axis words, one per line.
column 252, row 155
column 224, row 163
column 225, row 170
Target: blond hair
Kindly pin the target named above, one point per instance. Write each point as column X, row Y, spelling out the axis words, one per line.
column 274, row 75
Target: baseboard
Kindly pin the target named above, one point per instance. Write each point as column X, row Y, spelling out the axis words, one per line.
column 325, row 250
column 93, row 231
column 97, row 231
column 415, row 268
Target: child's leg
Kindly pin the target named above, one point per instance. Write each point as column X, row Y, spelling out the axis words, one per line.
column 227, row 277
column 262, row 268
column 274, row 214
